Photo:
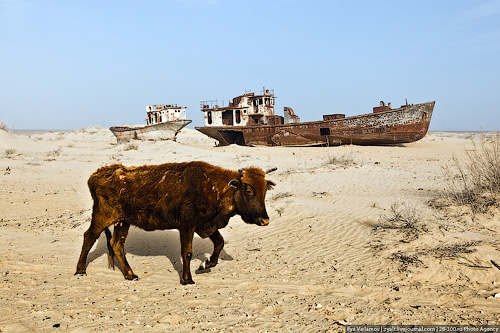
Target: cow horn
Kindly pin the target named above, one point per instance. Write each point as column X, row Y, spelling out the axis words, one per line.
column 271, row 170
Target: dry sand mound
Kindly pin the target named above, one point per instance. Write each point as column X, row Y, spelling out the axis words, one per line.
column 21, row 143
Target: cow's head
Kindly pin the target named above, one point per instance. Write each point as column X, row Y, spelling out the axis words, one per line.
column 251, row 187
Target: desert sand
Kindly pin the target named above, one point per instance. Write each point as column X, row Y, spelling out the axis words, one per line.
column 327, row 259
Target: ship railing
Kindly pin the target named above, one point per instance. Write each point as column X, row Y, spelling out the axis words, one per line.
column 206, row 105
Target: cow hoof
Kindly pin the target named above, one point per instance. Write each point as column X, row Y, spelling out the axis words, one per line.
column 186, row 282
column 132, row 277
column 80, row 273
column 204, row 268
column 111, row 264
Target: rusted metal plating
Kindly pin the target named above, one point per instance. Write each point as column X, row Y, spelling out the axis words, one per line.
column 250, row 120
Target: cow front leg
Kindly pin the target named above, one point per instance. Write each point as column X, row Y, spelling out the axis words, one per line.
column 218, row 241
column 187, row 254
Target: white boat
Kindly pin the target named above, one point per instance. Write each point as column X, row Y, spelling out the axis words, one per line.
column 163, row 123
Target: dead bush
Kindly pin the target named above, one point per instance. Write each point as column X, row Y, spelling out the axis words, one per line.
column 475, row 182
column 406, row 260
column 3, row 126
column 131, row 146
column 406, row 217
column 281, row 195
column 341, row 160
column 54, row 153
column 452, row 251
column 9, row 153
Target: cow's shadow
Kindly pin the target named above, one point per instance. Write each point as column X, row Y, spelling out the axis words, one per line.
column 157, row 243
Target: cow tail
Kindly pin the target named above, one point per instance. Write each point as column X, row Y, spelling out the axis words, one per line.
column 111, row 253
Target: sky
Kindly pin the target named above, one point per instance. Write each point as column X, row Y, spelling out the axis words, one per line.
column 75, row 64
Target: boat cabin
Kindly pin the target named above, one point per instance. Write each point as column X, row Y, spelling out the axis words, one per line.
column 245, row 110
column 164, row 113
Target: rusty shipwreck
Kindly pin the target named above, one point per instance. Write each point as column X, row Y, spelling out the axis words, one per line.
column 250, row 120
column 163, row 123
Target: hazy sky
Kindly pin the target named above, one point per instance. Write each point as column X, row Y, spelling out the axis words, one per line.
column 73, row 64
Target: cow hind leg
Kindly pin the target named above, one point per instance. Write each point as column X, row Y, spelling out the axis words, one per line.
column 218, row 241
column 89, row 238
column 117, row 244
column 187, row 254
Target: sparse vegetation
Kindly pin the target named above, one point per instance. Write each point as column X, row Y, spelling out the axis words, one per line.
column 89, row 130
column 54, row 153
column 9, row 153
column 3, row 126
column 280, row 210
column 451, row 251
column 403, row 216
column 475, row 182
column 131, row 146
column 340, row 160
column 406, row 260
column 281, row 195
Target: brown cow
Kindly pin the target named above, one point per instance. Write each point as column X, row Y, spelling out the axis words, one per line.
column 191, row 197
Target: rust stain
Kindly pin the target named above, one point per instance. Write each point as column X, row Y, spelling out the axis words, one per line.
column 250, row 120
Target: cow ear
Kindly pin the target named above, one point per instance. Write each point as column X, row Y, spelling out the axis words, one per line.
column 270, row 185
column 234, row 183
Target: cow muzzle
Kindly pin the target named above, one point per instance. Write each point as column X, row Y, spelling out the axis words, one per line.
column 263, row 222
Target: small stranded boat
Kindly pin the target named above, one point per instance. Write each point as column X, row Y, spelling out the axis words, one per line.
column 163, row 123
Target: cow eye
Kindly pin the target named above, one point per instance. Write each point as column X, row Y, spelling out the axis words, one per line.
column 248, row 190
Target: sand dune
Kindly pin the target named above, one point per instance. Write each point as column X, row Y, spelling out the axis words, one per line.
column 325, row 260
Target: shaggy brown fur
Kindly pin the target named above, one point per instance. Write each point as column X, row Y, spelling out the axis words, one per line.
column 191, row 197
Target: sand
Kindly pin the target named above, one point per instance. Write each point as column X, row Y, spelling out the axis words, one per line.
column 327, row 259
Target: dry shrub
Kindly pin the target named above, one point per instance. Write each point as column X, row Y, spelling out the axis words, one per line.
column 475, row 182
column 406, row 260
column 131, row 146
column 280, row 210
column 54, row 153
column 9, row 153
column 281, row 195
column 341, row 160
column 451, row 251
column 3, row 126
column 404, row 216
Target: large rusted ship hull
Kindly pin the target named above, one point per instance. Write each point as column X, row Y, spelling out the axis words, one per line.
column 406, row 124
column 162, row 131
